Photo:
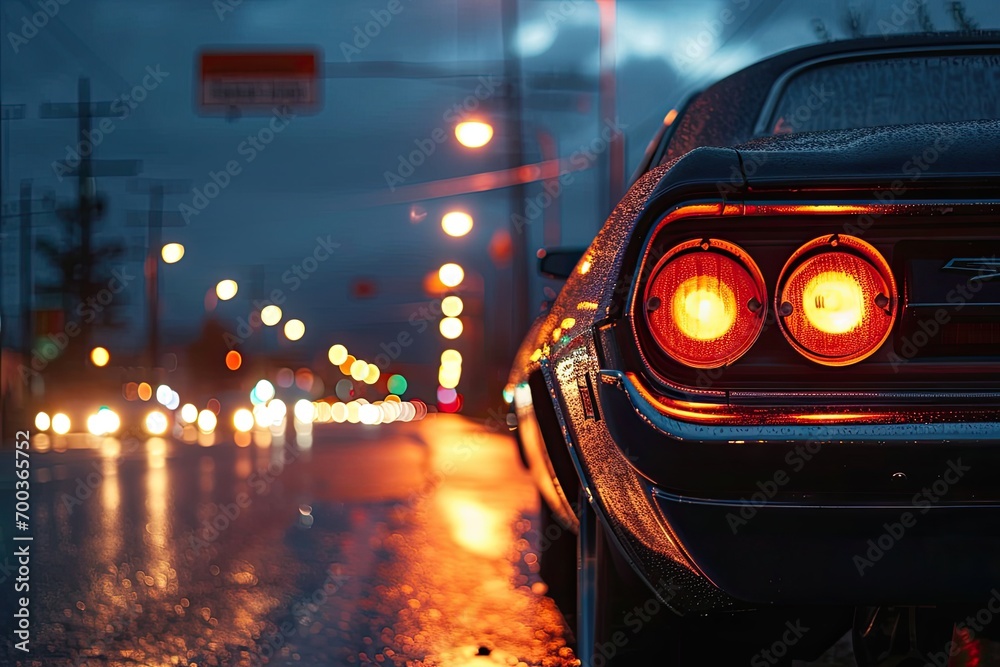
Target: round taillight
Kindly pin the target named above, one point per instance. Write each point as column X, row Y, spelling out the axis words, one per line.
column 836, row 300
column 705, row 303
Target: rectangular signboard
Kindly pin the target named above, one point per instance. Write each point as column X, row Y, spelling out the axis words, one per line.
column 259, row 80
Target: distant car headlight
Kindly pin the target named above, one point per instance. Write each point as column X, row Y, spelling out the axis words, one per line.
column 60, row 423
column 42, row 421
column 705, row 304
column 104, row 422
column 156, row 423
column 836, row 300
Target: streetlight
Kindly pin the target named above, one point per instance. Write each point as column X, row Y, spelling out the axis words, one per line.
column 100, row 357
column 270, row 315
column 172, row 253
column 473, row 133
column 226, row 289
column 456, row 223
column 451, row 275
column 294, row 329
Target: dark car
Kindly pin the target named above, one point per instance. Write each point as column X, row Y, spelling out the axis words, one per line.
column 765, row 407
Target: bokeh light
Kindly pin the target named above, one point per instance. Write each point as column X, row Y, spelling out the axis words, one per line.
column 294, row 329
column 451, row 357
column 270, row 315
column 373, row 374
column 100, row 357
column 164, row 394
column 359, row 370
column 337, row 354
column 42, row 421
column 456, row 223
column 452, row 306
column 304, row 410
column 396, row 384
column 172, row 253
column 189, row 413
column 451, row 327
column 473, row 133
column 264, row 391
column 233, row 360
column 207, row 421
column 156, row 423
column 144, row 391
column 451, row 275
column 243, row 420
column 60, row 423
column 226, row 289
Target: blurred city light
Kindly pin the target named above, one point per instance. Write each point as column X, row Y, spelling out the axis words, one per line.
column 373, row 374
column 304, row 410
column 156, row 423
column 103, row 422
column 60, row 423
column 359, row 370
column 452, row 306
column 233, row 360
column 42, row 421
column 473, row 133
column 189, row 413
column 243, row 420
column 345, row 367
column 207, row 421
column 226, row 289
column 144, row 391
column 451, row 327
column 164, row 394
column 100, row 357
column 396, row 384
column 270, row 315
column 449, row 375
column 337, row 354
column 174, row 402
column 451, row 357
column 451, row 275
column 456, row 223
column 294, row 329
column 264, row 391
column 172, row 253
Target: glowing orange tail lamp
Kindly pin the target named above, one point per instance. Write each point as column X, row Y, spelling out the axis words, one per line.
column 705, row 304
column 836, row 300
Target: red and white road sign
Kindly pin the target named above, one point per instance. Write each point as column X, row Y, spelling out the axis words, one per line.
column 259, row 80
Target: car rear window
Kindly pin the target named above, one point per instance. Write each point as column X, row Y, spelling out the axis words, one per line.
column 889, row 91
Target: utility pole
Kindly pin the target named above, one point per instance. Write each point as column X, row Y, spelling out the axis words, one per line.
column 27, row 291
column 155, row 219
column 88, row 205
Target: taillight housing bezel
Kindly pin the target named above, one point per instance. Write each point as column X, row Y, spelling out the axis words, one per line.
column 750, row 299
column 883, row 308
column 770, row 229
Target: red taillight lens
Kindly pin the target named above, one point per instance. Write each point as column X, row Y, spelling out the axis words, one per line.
column 705, row 303
column 836, row 300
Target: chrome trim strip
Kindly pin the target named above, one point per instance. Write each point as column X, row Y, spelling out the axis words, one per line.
column 986, row 432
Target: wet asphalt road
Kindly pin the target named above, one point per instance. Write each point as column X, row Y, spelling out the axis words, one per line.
column 402, row 544
column 386, row 545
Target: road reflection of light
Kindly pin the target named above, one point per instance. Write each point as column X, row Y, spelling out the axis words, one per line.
column 476, row 527
column 262, row 438
column 243, row 465
column 242, row 439
column 42, row 442
column 109, row 537
column 206, row 477
column 159, row 533
column 206, row 439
